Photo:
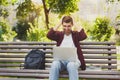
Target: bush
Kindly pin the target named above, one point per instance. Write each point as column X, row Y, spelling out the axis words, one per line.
column 101, row 30
column 36, row 34
column 6, row 34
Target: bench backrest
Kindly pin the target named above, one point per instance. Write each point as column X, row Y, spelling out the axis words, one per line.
column 98, row 54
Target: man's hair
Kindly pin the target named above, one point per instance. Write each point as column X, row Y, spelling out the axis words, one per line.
column 67, row 19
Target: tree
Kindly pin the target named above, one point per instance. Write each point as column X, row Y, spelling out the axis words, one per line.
column 59, row 6
column 26, row 13
column 101, row 30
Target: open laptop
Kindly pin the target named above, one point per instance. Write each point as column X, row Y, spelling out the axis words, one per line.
column 65, row 53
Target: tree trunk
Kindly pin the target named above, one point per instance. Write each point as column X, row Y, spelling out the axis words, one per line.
column 46, row 11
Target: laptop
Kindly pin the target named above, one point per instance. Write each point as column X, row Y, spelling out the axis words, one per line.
column 65, row 53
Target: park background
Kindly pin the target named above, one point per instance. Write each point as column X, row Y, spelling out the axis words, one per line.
column 30, row 20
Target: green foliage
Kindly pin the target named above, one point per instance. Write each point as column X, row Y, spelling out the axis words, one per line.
column 4, row 13
column 63, row 6
column 118, row 17
column 101, row 30
column 13, row 1
column 24, row 8
column 7, row 2
column 27, row 12
column 3, row 2
column 6, row 34
column 117, row 39
column 21, row 30
column 111, row 1
column 36, row 34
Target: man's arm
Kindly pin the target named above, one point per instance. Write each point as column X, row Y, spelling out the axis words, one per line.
column 82, row 35
column 80, row 32
column 53, row 33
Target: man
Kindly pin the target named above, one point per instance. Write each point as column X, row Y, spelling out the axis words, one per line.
column 66, row 38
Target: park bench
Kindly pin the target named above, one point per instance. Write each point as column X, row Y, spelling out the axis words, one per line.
column 100, row 57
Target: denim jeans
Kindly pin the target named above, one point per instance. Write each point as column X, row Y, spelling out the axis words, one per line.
column 71, row 67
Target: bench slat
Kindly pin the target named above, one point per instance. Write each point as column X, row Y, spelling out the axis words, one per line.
column 53, row 43
column 50, row 60
column 51, row 47
column 50, row 51
column 93, row 61
column 50, row 56
column 17, row 65
column 112, row 72
column 35, row 75
column 21, row 51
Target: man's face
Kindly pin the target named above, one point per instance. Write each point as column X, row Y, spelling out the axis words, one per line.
column 67, row 27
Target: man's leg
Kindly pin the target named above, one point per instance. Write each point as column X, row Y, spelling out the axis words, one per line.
column 54, row 71
column 72, row 68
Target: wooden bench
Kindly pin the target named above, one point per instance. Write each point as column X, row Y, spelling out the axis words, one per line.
column 100, row 57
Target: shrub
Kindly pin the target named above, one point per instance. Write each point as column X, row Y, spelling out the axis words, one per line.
column 6, row 33
column 36, row 34
column 101, row 30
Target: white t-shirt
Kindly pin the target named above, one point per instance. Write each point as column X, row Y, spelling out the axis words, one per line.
column 68, row 42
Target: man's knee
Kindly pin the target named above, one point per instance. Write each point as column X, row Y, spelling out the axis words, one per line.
column 56, row 64
column 72, row 65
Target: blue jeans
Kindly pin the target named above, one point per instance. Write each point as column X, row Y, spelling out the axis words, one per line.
column 71, row 67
